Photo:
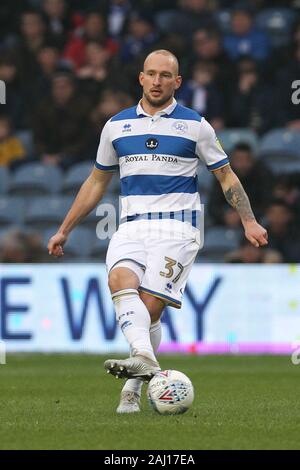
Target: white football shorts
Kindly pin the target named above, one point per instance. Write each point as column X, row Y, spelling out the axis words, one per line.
column 165, row 249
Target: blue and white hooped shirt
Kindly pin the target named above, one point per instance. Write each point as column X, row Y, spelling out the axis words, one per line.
column 158, row 157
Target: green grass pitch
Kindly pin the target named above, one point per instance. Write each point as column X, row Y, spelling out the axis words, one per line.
column 68, row 402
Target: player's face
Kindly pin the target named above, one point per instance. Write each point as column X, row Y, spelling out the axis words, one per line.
column 159, row 79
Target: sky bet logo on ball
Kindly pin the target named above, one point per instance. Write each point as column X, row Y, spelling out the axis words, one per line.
column 151, row 143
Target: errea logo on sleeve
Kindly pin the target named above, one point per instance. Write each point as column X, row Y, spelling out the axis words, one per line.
column 126, row 128
column 2, row 92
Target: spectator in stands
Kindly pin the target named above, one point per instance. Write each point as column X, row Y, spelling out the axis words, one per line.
column 288, row 111
column 11, row 147
column 93, row 75
column 286, row 188
column 117, row 14
column 9, row 12
column 48, row 58
column 249, row 254
column 49, row 62
column 33, row 35
column 284, row 236
column 140, row 38
column 62, row 128
column 19, row 247
column 15, row 99
column 110, row 103
column 244, row 39
column 13, row 247
column 207, row 46
column 184, row 20
column 60, row 20
column 256, row 180
column 202, row 94
column 249, row 98
column 93, row 29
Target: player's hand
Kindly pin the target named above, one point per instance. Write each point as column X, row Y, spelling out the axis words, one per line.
column 256, row 234
column 56, row 243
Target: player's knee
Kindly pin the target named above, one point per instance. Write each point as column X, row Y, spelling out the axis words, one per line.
column 122, row 278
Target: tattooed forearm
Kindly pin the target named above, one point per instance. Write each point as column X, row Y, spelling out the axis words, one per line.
column 237, row 198
column 235, row 193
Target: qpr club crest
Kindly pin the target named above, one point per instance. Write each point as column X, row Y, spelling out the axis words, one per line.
column 180, row 127
column 151, row 143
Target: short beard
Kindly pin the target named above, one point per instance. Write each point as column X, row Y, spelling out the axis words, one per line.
column 157, row 103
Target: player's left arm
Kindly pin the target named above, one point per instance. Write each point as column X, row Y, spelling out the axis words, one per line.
column 238, row 199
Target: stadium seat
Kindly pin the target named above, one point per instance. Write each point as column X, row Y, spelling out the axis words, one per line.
column 78, row 246
column 204, row 197
column 229, row 138
column 203, row 259
column 282, row 166
column 4, row 179
column 218, row 241
column 108, row 207
column 26, row 137
column 80, row 242
column 114, row 187
column 280, row 143
column 44, row 211
column 75, row 176
column 99, row 249
column 277, row 22
column 35, row 178
column 12, row 210
column 205, row 180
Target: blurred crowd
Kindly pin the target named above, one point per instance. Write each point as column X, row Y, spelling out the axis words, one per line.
column 69, row 66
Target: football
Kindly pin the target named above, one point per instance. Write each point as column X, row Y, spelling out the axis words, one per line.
column 170, row 392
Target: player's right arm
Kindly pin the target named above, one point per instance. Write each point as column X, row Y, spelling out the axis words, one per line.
column 86, row 200
column 90, row 192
